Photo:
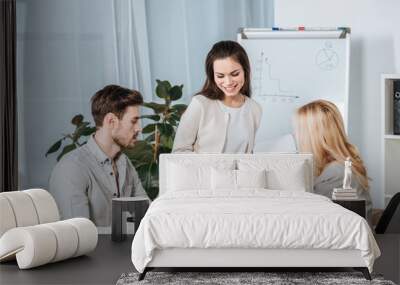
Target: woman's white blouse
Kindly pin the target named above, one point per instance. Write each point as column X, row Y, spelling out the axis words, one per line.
column 237, row 134
column 204, row 125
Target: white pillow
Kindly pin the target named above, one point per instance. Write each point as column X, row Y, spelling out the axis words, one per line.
column 185, row 174
column 293, row 179
column 183, row 178
column 282, row 174
column 236, row 179
column 251, row 179
column 223, row 179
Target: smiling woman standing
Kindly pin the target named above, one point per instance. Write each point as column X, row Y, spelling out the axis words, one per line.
column 221, row 118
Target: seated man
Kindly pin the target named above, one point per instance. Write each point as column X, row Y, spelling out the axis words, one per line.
column 85, row 180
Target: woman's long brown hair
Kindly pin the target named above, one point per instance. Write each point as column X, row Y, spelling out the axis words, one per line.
column 221, row 50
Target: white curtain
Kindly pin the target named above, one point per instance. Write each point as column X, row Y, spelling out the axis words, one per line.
column 69, row 49
column 181, row 32
column 131, row 45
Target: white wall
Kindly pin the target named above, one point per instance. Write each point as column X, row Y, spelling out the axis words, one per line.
column 375, row 49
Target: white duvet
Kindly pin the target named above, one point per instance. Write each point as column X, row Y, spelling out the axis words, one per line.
column 254, row 218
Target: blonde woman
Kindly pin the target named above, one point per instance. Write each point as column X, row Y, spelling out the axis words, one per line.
column 320, row 130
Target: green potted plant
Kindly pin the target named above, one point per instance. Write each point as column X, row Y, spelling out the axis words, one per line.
column 159, row 135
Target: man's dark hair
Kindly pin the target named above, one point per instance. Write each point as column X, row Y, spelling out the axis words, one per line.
column 113, row 99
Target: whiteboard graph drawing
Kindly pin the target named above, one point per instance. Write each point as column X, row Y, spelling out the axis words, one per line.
column 327, row 58
column 290, row 69
column 266, row 86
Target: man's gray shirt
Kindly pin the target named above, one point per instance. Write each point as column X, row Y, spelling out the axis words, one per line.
column 83, row 183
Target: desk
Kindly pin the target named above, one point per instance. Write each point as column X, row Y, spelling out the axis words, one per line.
column 136, row 205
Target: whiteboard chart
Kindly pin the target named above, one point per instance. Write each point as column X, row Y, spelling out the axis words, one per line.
column 290, row 69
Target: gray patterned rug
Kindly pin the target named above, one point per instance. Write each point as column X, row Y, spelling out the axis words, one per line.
column 229, row 278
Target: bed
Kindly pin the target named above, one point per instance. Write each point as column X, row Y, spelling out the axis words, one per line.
column 244, row 211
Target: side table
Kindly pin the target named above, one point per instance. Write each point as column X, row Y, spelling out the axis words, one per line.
column 356, row 205
column 136, row 205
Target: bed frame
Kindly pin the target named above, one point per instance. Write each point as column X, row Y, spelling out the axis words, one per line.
column 234, row 259
column 248, row 259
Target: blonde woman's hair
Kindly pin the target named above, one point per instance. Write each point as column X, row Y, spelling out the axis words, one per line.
column 320, row 130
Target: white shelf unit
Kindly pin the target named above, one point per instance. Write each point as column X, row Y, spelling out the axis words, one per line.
column 390, row 142
column 392, row 137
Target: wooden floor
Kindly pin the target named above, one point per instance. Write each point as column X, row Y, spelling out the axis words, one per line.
column 111, row 259
column 102, row 266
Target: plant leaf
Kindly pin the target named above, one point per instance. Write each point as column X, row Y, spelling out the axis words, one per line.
column 179, row 108
column 84, row 124
column 164, row 82
column 77, row 120
column 56, row 146
column 165, row 129
column 162, row 89
column 152, row 192
column 149, row 128
column 82, row 130
column 164, row 149
column 167, row 84
column 87, row 131
column 157, row 108
column 151, row 117
column 167, row 142
column 66, row 150
column 175, row 92
column 175, row 116
column 172, row 121
column 150, row 138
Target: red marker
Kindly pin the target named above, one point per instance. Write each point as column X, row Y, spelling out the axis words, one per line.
column 302, row 28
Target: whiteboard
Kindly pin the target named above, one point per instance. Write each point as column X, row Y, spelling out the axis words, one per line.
column 292, row 68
